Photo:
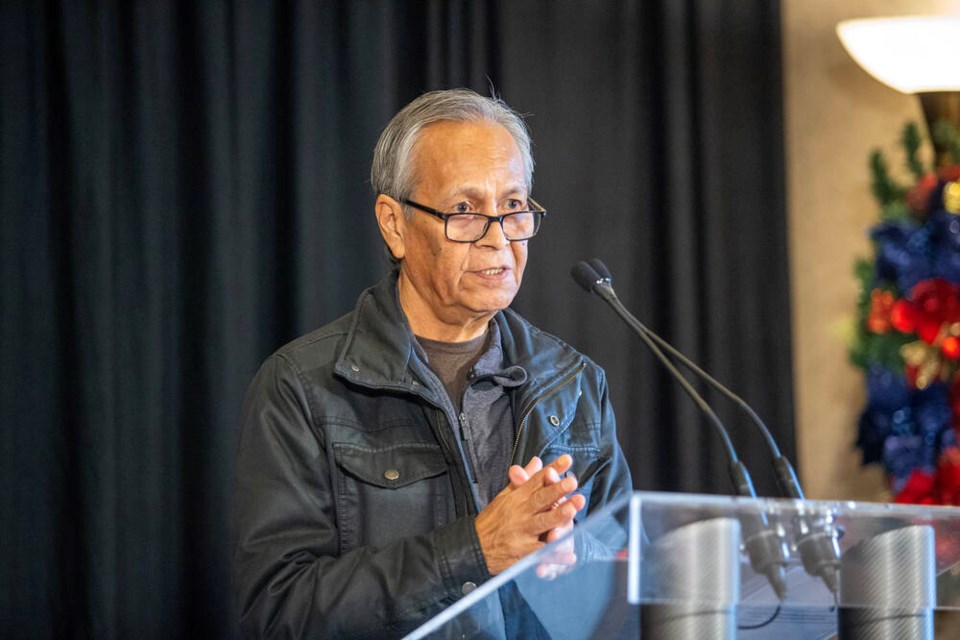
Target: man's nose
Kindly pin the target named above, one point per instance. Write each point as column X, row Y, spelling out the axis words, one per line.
column 495, row 236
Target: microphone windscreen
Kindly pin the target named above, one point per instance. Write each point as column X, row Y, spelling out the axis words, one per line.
column 600, row 268
column 585, row 276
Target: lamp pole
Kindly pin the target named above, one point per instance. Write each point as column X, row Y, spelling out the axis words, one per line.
column 937, row 106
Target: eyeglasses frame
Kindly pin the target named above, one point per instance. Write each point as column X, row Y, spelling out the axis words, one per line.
column 490, row 219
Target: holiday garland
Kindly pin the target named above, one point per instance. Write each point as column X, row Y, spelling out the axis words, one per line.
column 907, row 339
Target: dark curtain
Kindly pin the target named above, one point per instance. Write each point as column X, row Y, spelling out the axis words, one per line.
column 185, row 187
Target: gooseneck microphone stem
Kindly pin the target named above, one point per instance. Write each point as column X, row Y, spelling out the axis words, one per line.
column 738, row 472
column 785, row 473
column 764, row 543
column 816, row 535
column 689, row 364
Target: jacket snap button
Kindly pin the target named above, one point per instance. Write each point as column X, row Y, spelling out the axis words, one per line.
column 554, row 420
column 391, row 474
column 468, row 587
column 355, row 368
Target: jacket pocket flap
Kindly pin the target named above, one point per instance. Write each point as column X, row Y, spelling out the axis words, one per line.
column 391, row 467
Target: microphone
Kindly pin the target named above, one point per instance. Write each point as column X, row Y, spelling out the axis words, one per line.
column 765, row 546
column 817, row 537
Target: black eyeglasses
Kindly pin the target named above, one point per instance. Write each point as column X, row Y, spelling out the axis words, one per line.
column 471, row 227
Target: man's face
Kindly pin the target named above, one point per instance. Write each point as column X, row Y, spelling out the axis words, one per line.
column 463, row 167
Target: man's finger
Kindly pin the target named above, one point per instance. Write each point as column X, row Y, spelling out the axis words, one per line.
column 549, row 495
column 551, row 473
column 578, row 501
column 561, row 464
column 535, row 465
column 518, row 475
column 559, row 564
column 554, row 518
column 555, row 534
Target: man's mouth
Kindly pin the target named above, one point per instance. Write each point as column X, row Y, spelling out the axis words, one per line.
column 492, row 272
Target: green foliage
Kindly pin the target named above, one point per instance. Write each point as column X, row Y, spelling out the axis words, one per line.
column 945, row 134
column 911, row 141
column 863, row 270
column 884, row 188
column 880, row 349
column 872, row 348
column 897, row 210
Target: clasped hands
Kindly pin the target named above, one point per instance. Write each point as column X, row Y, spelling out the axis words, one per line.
column 535, row 509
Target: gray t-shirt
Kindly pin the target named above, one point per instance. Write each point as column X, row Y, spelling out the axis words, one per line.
column 452, row 362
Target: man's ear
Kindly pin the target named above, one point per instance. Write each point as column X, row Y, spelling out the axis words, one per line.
column 392, row 224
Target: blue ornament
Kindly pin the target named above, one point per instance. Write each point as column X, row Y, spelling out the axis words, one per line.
column 888, row 412
column 903, row 454
column 893, row 256
column 931, row 410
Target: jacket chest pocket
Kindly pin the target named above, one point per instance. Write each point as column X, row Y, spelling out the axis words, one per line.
column 587, row 464
column 390, row 492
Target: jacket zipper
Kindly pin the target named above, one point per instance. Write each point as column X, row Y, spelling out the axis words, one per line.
column 446, row 446
column 533, row 403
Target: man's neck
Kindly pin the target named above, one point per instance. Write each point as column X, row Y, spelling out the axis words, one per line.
column 425, row 323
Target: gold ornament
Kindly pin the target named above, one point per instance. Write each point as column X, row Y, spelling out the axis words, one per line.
column 951, row 197
column 926, row 359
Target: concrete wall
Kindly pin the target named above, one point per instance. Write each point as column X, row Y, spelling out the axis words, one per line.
column 835, row 115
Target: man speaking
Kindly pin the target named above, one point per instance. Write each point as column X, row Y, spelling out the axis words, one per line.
column 390, row 461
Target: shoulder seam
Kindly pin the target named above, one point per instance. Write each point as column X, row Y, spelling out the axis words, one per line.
column 312, row 407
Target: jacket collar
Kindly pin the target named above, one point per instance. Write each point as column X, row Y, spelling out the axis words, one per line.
column 545, row 358
column 379, row 346
column 379, row 349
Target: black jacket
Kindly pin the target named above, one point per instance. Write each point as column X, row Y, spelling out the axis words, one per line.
column 354, row 516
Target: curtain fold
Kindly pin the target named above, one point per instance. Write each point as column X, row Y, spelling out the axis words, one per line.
column 185, row 187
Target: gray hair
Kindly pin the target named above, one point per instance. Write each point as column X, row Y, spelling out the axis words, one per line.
column 392, row 172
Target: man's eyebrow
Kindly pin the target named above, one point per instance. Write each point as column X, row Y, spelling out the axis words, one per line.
column 476, row 193
column 514, row 191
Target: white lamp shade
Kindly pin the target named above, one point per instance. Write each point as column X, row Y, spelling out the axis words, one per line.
column 912, row 54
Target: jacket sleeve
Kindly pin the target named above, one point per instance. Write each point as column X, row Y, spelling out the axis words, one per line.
column 290, row 579
column 616, row 477
column 610, row 483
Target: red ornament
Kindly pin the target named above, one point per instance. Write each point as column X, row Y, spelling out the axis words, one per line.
column 918, row 489
column 910, row 372
column 918, row 198
column 901, row 317
column 940, row 487
column 949, row 173
column 950, row 347
column 881, row 303
column 948, row 477
column 928, row 331
column 934, row 302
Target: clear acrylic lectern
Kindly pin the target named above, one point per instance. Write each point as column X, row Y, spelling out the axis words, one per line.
column 678, row 566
